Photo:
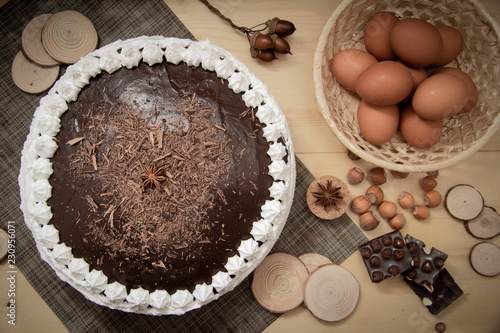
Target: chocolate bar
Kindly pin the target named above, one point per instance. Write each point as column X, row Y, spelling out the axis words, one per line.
column 386, row 256
column 445, row 292
column 426, row 266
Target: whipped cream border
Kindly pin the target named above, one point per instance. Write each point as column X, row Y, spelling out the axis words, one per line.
column 40, row 144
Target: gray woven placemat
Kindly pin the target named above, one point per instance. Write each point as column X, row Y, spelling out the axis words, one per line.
column 234, row 312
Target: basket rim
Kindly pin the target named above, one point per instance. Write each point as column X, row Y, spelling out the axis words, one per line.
column 324, row 110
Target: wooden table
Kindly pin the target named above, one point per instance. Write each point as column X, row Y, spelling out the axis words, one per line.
column 386, row 307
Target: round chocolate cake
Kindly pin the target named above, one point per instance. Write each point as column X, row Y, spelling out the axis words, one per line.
column 157, row 174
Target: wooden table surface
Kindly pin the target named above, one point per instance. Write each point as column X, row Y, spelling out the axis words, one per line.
column 389, row 306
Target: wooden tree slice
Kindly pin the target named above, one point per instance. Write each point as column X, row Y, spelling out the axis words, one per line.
column 464, row 202
column 4, row 241
column 314, row 260
column 69, row 35
column 485, row 259
column 486, row 225
column 331, row 292
column 30, row 77
column 278, row 282
column 31, row 42
column 332, row 211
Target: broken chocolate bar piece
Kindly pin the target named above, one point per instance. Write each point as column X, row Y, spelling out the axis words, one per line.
column 445, row 292
column 426, row 266
column 386, row 256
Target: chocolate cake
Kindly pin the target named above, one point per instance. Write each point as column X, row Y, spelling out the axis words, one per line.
column 157, row 174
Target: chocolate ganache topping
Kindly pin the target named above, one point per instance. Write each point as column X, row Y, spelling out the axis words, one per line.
column 160, row 172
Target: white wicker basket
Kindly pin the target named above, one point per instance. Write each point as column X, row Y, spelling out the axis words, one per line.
column 462, row 136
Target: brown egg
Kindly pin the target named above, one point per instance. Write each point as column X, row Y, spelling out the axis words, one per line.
column 378, row 124
column 453, row 43
column 377, row 35
column 384, row 83
column 440, row 96
column 472, row 95
column 417, row 131
column 418, row 75
column 348, row 64
column 416, row 42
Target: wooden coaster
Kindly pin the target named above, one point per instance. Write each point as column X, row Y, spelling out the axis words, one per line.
column 278, row 282
column 69, row 35
column 331, row 211
column 314, row 260
column 331, row 292
column 464, row 202
column 486, row 225
column 31, row 42
column 485, row 259
column 30, row 77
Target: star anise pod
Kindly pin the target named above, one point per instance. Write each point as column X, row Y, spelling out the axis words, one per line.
column 327, row 196
column 152, row 176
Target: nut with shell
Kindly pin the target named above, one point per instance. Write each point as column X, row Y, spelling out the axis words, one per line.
column 399, row 174
column 398, row 221
column 432, row 199
column 355, row 176
column 360, row 204
column 421, row 212
column 374, row 194
column 428, row 183
column 406, row 200
column 368, row 221
column 387, row 209
column 376, row 176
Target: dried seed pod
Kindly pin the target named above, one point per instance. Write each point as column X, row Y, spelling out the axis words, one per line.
column 360, row 204
column 263, row 41
column 428, row 183
column 406, row 200
column 387, row 209
column 281, row 46
column 266, row 55
column 432, row 199
column 368, row 221
column 399, row 174
column 398, row 221
column 375, row 195
column 421, row 212
column 355, row 176
column 377, row 176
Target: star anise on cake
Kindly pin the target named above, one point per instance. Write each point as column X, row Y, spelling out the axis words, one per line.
column 152, row 176
column 328, row 195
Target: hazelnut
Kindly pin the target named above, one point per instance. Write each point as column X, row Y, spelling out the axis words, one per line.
column 387, row 240
column 438, row 262
column 413, row 248
column 366, row 252
column 398, row 221
column 421, row 212
column 432, row 199
column 355, row 176
column 399, row 174
column 399, row 243
column 394, row 270
column 375, row 262
column 376, row 245
column 377, row 176
column 406, row 200
column 434, row 174
column 352, row 156
column 411, row 274
column 360, row 204
column 377, row 276
column 398, row 255
column 387, row 209
column 368, row 221
column 387, row 253
column 375, row 195
column 427, row 267
column 428, row 183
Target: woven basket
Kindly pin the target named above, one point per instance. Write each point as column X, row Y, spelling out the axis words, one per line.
column 462, row 135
